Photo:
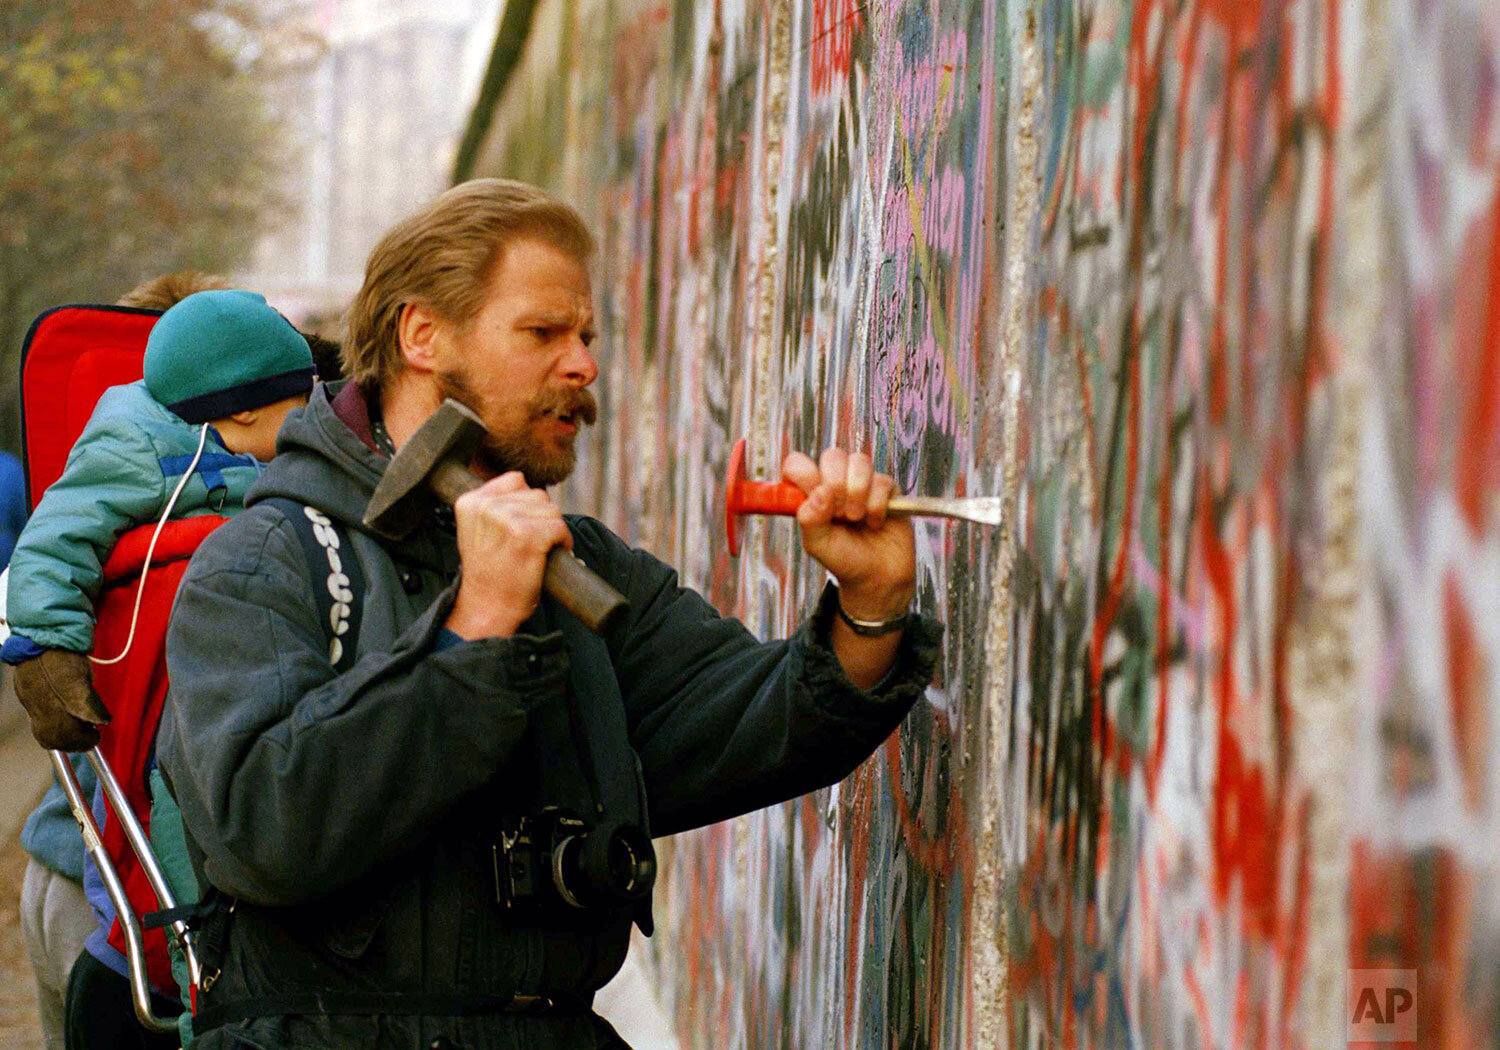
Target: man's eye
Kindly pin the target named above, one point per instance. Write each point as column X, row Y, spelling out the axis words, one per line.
column 541, row 333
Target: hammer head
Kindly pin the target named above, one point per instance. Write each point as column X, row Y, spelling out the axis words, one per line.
column 403, row 498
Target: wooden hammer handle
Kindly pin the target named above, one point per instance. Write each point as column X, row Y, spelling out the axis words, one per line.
column 577, row 588
column 450, row 479
column 582, row 591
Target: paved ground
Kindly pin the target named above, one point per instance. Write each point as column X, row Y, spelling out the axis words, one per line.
column 18, row 1024
column 24, row 773
column 629, row 1003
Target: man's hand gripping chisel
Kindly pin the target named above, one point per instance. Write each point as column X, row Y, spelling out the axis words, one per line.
column 743, row 497
column 434, row 462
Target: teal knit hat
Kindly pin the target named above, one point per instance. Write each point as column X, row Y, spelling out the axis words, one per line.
column 220, row 352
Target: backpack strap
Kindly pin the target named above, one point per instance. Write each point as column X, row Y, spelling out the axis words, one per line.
column 338, row 590
column 338, row 581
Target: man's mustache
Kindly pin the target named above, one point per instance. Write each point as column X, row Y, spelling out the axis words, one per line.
column 574, row 405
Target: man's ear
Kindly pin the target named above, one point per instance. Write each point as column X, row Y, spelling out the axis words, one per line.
column 421, row 333
column 247, row 417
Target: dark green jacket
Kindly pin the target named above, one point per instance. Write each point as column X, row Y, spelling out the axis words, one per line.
column 352, row 815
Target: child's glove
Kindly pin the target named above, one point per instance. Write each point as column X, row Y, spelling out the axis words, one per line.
column 57, row 691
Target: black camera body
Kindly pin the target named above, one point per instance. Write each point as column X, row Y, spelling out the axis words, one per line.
column 555, row 860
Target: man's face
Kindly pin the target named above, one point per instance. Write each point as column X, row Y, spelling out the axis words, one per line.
column 523, row 363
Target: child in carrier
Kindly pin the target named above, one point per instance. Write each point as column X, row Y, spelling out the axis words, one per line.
column 222, row 370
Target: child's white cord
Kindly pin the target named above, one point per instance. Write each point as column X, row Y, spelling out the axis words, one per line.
column 151, row 549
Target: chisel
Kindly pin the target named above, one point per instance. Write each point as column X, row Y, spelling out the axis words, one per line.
column 743, row 497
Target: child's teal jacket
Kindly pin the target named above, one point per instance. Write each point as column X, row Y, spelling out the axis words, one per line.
column 120, row 474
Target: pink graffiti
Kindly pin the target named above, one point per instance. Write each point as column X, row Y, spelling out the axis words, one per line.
column 927, row 91
column 929, row 308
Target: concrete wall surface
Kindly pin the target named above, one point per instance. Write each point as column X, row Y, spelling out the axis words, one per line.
column 1209, row 292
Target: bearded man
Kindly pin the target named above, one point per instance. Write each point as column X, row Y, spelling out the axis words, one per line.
column 440, row 838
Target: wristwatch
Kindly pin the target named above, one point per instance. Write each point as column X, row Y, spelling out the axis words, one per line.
column 871, row 628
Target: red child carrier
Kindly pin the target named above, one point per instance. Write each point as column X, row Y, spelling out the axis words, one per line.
column 72, row 354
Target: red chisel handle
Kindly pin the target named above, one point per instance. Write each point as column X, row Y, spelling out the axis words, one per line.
column 743, row 497
column 768, row 497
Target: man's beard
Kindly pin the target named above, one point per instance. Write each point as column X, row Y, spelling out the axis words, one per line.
column 501, row 452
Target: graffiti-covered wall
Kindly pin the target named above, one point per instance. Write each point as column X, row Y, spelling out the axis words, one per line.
column 1209, row 292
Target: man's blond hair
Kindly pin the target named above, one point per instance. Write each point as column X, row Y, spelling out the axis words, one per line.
column 167, row 290
column 443, row 257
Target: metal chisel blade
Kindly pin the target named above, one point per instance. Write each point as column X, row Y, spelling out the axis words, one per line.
column 985, row 510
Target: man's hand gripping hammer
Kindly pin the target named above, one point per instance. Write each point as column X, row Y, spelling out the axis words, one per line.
column 434, row 462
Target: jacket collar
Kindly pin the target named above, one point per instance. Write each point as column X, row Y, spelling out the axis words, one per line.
column 352, row 405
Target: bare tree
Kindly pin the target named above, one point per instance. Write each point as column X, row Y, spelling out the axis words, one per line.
column 136, row 136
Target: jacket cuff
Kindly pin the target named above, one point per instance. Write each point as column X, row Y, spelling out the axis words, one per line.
column 529, row 666
column 905, row 680
column 18, row 649
column 446, row 639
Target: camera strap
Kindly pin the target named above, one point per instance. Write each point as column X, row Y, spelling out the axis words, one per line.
column 583, row 744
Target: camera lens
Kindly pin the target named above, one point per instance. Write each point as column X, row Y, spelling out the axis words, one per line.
column 624, row 866
column 616, row 864
column 565, row 876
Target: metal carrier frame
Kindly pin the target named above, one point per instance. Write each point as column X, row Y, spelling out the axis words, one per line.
column 54, row 344
column 130, row 923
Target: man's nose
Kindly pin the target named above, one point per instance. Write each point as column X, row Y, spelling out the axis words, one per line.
column 579, row 366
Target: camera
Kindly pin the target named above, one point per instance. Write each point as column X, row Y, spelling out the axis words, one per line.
column 556, row 858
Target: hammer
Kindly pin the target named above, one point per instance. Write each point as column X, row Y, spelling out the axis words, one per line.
column 434, row 461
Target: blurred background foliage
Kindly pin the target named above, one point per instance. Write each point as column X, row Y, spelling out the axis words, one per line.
column 138, row 137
